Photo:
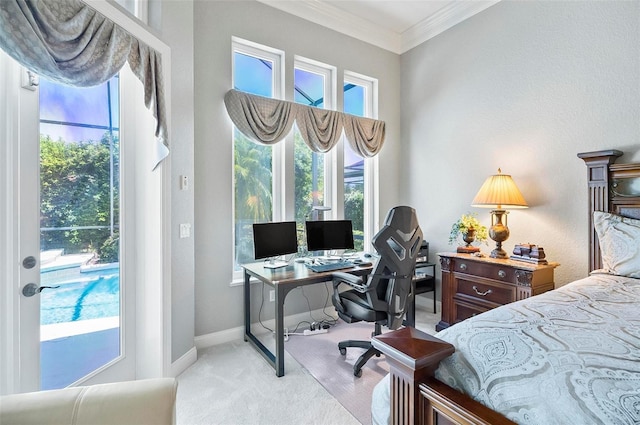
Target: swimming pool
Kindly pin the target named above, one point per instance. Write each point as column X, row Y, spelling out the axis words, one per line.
column 82, row 295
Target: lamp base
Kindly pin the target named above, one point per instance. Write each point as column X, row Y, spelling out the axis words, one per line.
column 499, row 253
column 499, row 232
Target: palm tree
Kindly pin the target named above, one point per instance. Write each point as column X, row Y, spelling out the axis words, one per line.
column 253, row 175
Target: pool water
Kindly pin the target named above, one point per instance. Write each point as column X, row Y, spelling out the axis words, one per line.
column 81, row 295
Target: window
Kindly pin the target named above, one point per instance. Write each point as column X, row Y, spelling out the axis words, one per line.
column 358, row 172
column 287, row 180
column 257, row 71
column 314, row 85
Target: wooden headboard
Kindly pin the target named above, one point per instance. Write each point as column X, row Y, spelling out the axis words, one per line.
column 613, row 188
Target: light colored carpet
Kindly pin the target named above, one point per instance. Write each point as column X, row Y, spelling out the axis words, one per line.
column 231, row 384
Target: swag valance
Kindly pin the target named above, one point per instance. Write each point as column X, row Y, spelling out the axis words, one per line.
column 69, row 42
column 268, row 121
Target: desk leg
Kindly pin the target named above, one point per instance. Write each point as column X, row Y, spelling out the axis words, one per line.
column 279, row 360
column 247, row 305
column 251, row 338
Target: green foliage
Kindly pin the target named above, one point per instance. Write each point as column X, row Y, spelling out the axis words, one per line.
column 465, row 223
column 252, row 171
column 306, row 165
column 354, row 206
column 75, row 192
column 253, row 197
column 109, row 252
column 253, row 191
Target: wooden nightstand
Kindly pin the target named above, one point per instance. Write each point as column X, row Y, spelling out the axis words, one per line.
column 472, row 285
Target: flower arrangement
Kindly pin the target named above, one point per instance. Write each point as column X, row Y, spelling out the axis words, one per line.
column 465, row 224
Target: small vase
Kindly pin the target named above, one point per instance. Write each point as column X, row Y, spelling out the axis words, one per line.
column 469, row 238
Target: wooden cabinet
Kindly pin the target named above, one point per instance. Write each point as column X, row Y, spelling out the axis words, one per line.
column 472, row 285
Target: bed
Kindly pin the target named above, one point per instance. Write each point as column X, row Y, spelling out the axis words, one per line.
column 571, row 355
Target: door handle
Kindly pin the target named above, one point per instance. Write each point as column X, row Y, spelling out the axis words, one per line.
column 482, row 294
column 30, row 289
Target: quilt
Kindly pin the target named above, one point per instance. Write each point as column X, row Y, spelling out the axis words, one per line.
column 568, row 356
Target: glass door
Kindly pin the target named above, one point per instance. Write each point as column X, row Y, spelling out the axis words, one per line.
column 63, row 274
column 79, row 163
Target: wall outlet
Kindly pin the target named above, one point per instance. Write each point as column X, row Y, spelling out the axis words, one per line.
column 185, row 230
column 272, row 295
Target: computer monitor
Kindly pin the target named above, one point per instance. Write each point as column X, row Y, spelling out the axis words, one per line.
column 273, row 239
column 329, row 234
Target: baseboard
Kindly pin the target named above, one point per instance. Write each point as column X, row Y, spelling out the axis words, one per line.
column 234, row 334
column 186, row 360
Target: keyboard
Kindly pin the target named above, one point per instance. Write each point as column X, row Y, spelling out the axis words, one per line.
column 329, row 267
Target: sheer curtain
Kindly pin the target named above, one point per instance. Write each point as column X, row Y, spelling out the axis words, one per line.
column 69, row 42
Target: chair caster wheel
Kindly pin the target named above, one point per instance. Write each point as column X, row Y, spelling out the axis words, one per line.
column 343, row 351
column 357, row 373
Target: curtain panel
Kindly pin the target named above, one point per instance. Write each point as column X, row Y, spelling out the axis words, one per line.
column 67, row 41
column 267, row 121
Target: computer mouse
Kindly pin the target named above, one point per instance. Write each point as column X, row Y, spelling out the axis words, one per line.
column 367, row 255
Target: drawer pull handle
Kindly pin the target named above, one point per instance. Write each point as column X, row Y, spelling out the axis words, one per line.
column 502, row 274
column 482, row 294
column 463, row 266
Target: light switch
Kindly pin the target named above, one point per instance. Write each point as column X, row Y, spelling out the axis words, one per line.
column 185, row 230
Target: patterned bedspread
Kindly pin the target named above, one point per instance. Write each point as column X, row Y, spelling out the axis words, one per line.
column 569, row 356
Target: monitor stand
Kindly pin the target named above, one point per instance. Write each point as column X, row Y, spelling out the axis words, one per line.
column 275, row 264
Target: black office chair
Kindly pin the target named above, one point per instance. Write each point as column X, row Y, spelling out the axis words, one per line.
column 386, row 295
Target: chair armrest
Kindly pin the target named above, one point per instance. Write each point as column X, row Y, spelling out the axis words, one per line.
column 355, row 282
column 143, row 402
column 348, row 278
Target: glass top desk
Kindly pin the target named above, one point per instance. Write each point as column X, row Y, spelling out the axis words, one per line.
column 283, row 280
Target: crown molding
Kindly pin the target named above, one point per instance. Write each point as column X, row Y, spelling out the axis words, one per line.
column 441, row 21
column 336, row 19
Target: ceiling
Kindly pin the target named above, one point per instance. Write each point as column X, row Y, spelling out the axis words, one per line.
column 394, row 25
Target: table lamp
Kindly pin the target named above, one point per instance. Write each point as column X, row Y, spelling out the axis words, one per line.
column 499, row 192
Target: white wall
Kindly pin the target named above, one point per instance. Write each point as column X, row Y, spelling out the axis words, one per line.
column 219, row 306
column 174, row 21
column 523, row 86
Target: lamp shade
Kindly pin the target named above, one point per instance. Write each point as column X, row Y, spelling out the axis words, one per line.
column 499, row 191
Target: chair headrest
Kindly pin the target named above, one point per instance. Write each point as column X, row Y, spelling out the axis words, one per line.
column 398, row 242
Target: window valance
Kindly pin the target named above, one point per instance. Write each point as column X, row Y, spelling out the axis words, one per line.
column 67, row 41
column 268, row 121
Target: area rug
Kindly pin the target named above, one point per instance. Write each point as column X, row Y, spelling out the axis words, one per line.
column 319, row 354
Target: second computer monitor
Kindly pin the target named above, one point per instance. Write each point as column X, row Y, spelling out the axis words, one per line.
column 327, row 235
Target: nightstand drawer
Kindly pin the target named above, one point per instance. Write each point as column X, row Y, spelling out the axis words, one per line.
column 499, row 294
column 488, row 270
column 463, row 311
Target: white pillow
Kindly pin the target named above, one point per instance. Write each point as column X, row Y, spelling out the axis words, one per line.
column 619, row 243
